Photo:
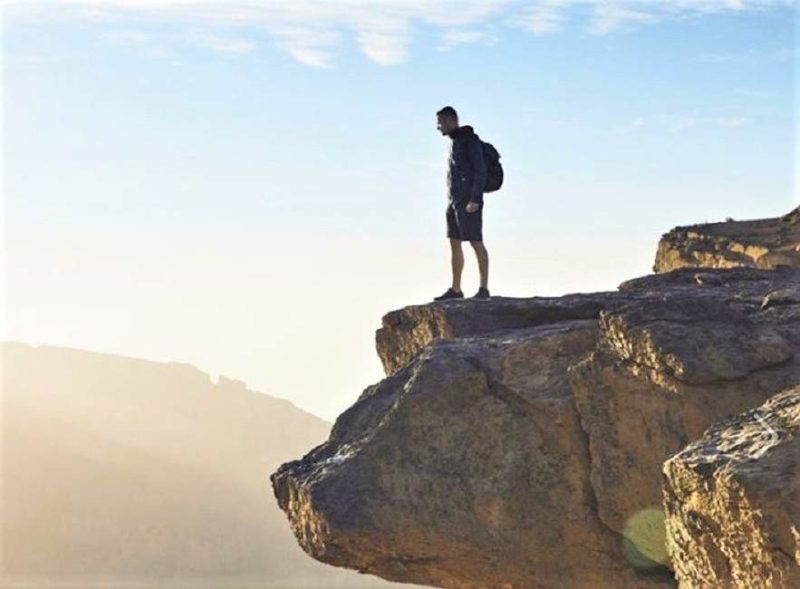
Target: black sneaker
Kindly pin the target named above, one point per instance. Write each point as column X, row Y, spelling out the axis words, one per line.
column 450, row 294
column 483, row 293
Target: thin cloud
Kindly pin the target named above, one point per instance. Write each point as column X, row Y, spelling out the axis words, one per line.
column 452, row 38
column 308, row 45
column 230, row 45
column 153, row 45
column 544, row 17
column 384, row 38
column 311, row 30
column 612, row 16
column 144, row 41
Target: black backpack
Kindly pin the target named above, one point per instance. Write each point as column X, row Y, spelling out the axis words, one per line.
column 494, row 170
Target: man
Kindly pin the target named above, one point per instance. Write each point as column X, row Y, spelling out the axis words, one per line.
column 466, row 179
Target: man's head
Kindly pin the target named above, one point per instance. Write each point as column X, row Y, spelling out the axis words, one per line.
column 447, row 120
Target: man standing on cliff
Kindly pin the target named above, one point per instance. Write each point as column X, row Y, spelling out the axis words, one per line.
column 466, row 179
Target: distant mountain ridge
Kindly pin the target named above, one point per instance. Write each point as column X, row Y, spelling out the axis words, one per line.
column 121, row 470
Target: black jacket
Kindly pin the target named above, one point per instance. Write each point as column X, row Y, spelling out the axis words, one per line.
column 466, row 174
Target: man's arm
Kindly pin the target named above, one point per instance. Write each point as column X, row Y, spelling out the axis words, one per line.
column 479, row 170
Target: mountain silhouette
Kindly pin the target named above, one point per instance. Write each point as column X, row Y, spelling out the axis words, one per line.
column 124, row 472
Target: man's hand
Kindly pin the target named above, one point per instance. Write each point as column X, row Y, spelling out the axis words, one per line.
column 472, row 206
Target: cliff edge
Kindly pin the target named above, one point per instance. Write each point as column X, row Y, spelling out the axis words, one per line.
column 518, row 443
column 760, row 243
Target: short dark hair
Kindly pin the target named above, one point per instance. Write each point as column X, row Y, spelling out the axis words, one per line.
column 448, row 111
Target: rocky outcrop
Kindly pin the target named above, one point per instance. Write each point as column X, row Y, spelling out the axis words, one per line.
column 667, row 368
column 732, row 500
column 518, row 443
column 407, row 331
column 761, row 243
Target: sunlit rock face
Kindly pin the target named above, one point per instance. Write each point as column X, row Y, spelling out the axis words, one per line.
column 518, row 443
column 732, row 500
column 666, row 368
column 760, row 243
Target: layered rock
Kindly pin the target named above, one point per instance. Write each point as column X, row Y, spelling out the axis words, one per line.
column 761, row 243
column 666, row 368
column 518, row 443
column 732, row 500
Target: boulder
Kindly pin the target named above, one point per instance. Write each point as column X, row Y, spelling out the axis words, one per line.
column 732, row 500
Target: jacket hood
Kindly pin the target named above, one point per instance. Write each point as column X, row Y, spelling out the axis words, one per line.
column 462, row 131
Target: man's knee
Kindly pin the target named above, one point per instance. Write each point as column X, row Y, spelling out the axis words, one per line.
column 455, row 243
column 477, row 246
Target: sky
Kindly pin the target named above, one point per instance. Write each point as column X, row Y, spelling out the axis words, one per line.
column 250, row 186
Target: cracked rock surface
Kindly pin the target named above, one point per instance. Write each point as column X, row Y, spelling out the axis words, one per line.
column 759, row 243
column 732, row 500
column 518, row 443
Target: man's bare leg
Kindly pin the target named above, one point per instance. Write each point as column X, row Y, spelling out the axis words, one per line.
column 483, row 261
column 456, row 262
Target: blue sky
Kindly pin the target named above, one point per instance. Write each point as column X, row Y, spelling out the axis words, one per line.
column 249, row 186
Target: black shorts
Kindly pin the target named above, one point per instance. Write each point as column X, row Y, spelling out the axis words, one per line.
column 463, row 225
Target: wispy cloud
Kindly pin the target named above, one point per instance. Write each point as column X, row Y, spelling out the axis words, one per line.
column 156, row 45
column 221, row 44
column 608, row 17
column 311, row 30
column 384, row 38
column 452, row 38
column 541, row 18
column 307, row 44
column 148, row 43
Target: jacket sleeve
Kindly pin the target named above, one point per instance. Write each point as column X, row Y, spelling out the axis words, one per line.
column 478, row 169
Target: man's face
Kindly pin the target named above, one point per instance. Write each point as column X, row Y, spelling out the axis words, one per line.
column 445, row 124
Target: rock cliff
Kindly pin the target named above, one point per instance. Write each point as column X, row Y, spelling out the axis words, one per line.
column 761, row 243
column 518, row 443
column 733, row 501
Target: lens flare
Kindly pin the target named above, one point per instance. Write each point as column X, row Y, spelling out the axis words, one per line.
column 644, row 539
